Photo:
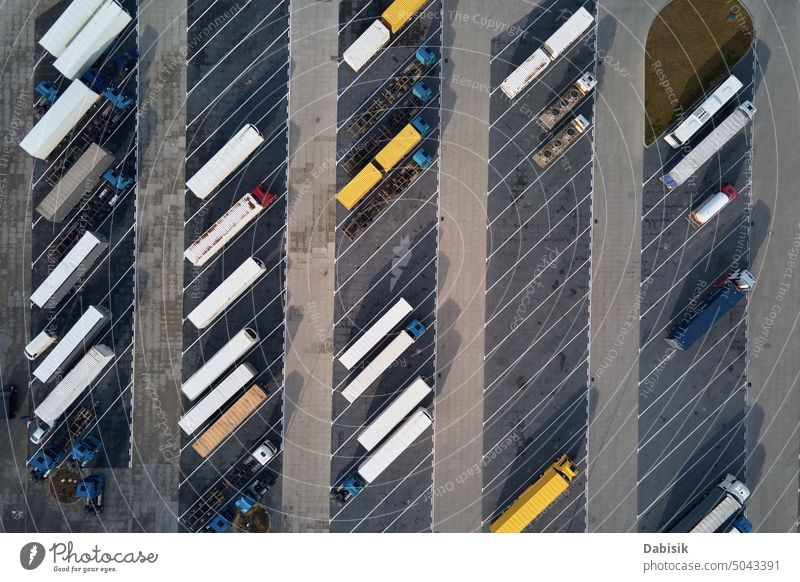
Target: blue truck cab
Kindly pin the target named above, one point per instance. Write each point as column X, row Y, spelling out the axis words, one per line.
column 425, row 56
column 91, row 489
column 96, row 81
column 47, row 92
column 421, row 125
column 352, row 485
column 741, row 525
column 44, row 461
column 118, row 99
column 422, row 158
column 422, row 92
column 85, row 450
column 117, row 179
column 220, row 523
column 415, row 328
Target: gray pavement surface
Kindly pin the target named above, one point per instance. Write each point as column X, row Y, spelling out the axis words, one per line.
column 159, row 268
column 310, row 265
column 17, row 37
column 616, row 235
column 773, row 342
column 458, row 426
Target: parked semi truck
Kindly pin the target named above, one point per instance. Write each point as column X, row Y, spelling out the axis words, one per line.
column 375, row 333
column 412, row 332
column 72, row 344
column 393, row 414
column 407, row 110
column 401, row 179
column 69, row 389
column 558, row 144
column 93, row 39
column 217, row 398
column 569, row 32
column 48, row 93
column 81, row 178
column 69, row 271
column 59, row 120
column 536, row 498
column 716, row 509
column 712, row 206
column 228, row 226
column 226, row 357
column 225, row 161
column 394, row 18
column 377, row 462
column 41, row 343
column 710, row 145
column 704, row 112
column 395, row 89
column 699, row 320
column 386, row 159
column 216, row 302
column 68, row 25
column 566, row 102
column 229, row 421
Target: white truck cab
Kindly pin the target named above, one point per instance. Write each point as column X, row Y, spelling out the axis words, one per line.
column 265, row 452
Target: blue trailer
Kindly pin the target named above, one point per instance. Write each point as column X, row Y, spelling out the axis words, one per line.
column 694, row 324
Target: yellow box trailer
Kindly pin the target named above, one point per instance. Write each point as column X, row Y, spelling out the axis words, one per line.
column 535, row 499
column 399, row 12
column 359, row 186
column 232, row 418
column 398, row 148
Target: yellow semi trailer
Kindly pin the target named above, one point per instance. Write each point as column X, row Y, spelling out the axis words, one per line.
column 535, row 499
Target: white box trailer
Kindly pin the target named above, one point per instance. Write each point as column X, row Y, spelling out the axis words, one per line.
column 60, row 119
column 568, row 33
column 67, row 391
column 376, row 332
column 217, row 398
column 93, row 40
column 383, row 361
column 724, row 501
column 224, row 230
column 710, row 145
column 522, row 76
column 74, row 341
column 216, row 365
column 393, row 447
column 367, row 45
column 225, row 161
column 704, row 112
column 71, row 268
column 81, row 178
column 68, row 25
column 410, row 398
column 228, row 291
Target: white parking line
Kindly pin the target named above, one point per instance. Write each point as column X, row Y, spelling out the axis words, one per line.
column 198, row 50
column 355, row 16
column 545, row 10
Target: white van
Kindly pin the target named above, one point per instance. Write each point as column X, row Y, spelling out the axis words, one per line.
column 40, row 344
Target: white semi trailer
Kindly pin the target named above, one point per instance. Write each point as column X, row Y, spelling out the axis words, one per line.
column 69, row 389
column 371, row 468
column 225, row 161
column 217, row 398
column 79, row 335
column 710, row 145
column 719, row 506
column 69, row 271
column 214, row 367
column 391, row 416
column 60, row 119
column 383, row 360
column 228, row 291
column 375, row 333
column 569, row 32
column 245, row 211
column 68, row 25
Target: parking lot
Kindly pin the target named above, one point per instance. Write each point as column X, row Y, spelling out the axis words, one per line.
column 537, row 282
column 394, row 257
column 109, row 283
column 692, row 403
column 238, row 59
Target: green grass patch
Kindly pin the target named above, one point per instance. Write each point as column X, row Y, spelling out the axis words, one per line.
column 691, row 46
